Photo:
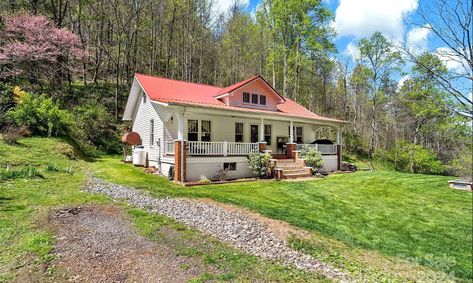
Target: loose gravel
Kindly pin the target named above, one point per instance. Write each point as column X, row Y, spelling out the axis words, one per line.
column 233, row 227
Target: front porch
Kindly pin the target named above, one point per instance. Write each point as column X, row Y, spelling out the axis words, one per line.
column 203, row 144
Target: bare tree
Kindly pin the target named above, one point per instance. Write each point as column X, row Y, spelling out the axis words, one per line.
column 451, row 23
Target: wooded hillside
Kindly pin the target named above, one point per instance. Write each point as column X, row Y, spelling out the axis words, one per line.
column 81, row 55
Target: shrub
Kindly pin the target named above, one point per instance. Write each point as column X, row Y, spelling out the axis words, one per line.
column 11, row 134
column 6, row 103
column 222, row 175
column 462, row 165
column 312, row 157
column 261, row 164
column 205, row 181
column 40, row 114
column 414, row 158
column 96, row 126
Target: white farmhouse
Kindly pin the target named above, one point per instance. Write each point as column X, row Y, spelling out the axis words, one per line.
column 195, row 130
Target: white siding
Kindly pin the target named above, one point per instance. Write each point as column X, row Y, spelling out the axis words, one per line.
column 199, row 168
column 144, row 113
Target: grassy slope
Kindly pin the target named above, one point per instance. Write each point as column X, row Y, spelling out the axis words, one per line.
column 408, row 216
column 26, row 242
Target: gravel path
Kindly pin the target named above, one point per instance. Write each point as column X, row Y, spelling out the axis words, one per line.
column 233, row 227
column 99, row 244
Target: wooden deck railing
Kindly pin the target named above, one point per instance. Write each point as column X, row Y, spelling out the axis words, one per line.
column 325, row 149
column 221, row 148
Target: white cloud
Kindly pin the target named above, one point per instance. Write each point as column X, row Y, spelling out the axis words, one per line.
column 361, row 18
column 402, row 81
column 352, row 50
column 417, row 39
column 451, row 60
column 222, row 6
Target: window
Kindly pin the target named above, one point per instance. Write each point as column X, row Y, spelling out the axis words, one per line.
column 254, row 133
column 267, row 134
column 254, row 98
column 262, row 99
column 246, row 97
column 151, row 132
column 238, row 132
column 230, row 166
column 144, row 97
column 192, row 130
column 297, row 134
column 205, row 131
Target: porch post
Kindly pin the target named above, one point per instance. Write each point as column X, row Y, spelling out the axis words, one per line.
column 261, row 132
column 180, row 152
column 262, row 142
column 291, row 132
column 180, row 127
column 291, row 146
column 339, row 149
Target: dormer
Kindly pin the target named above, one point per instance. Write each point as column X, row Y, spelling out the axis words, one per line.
column 254, row 93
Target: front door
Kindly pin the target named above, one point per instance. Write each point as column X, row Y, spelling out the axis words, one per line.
column 254, row 133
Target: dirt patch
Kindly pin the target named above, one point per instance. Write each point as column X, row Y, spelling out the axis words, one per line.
column 99, row 244
column 280, row 228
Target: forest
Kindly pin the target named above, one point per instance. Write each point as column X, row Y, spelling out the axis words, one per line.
column 66, row 67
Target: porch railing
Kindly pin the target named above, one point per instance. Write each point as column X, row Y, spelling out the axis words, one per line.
column 221, row 148
column 322, row 148
column 169, row 147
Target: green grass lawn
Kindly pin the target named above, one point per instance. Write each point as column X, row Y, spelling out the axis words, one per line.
column 403, row 216
column 26, row 242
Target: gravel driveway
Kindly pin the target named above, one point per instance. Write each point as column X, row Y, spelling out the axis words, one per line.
column 99, row 244
column 233, row 227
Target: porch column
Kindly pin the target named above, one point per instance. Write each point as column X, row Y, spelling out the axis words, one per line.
column 291, row 132
column 339, row 149
column 262, row 142
column 180, row 127
column 180, row 152
column 291, row 146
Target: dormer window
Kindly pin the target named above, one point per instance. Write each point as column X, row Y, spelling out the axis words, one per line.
column 254, row 98
column 262, row 99
column 246, row 97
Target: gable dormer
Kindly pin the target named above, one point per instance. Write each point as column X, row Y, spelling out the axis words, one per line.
column 253, row 93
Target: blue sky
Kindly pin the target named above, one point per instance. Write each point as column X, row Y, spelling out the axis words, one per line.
column 397, row 20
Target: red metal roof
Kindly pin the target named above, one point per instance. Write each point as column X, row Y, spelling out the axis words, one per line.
column 193, row 94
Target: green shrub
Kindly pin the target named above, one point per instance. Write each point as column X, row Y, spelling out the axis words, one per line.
column 6, row 103
column 40, row 114
column 413, row 158
column 96, row 126
column 205, row 181
column 8, row 173
column 312, row 157
column 261, row 164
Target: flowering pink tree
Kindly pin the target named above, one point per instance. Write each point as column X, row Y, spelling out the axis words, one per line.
column 32, row 47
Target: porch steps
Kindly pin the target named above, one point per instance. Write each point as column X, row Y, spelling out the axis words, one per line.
column 291, row 169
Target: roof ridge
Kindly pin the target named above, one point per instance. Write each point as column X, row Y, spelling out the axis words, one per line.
column 176, row 80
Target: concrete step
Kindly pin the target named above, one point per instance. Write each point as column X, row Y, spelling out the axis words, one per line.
column 284, row 160
column 296, row 175
column 295, row 170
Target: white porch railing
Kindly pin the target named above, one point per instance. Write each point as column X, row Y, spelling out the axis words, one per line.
column 322, row 148
column 221, row 148
column 169, row 147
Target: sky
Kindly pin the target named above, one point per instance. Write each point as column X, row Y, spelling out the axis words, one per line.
column 397, row 20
